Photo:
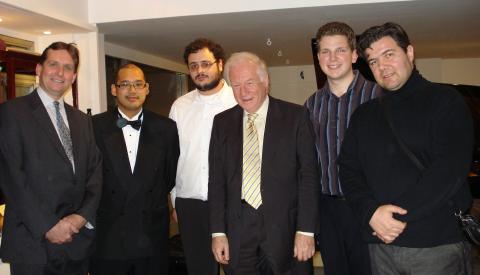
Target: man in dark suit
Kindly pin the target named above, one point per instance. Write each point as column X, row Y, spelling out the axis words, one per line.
column 140, row 150
column 263, row 183
column 53, row 173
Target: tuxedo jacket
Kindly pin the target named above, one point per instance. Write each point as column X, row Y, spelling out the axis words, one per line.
column 133, row 216
column 289, row 179
column 39, row 183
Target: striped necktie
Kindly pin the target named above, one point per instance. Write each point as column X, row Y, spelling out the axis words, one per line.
column 64, row 133
column 251, row 165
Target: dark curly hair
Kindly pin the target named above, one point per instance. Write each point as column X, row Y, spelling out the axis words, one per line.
column 201, row 43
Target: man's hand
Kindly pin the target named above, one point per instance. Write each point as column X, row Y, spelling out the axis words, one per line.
column 304, row 247
column 75, row 220
column 174, row 215
column 385, row 227
column 61, row 232
column 220, row 249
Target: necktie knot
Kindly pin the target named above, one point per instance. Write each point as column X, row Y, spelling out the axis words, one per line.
column 251, row 118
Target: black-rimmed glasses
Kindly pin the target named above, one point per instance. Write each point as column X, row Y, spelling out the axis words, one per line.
column 126, row 85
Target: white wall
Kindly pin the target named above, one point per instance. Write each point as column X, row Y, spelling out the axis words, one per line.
column 286, row 84
column 71, row 11
column 141, row 57
column 122, row 10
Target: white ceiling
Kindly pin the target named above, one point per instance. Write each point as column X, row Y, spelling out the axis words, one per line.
column 437, row 28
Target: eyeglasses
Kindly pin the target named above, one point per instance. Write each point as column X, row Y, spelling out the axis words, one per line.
column 126, row 85
column 205, row 65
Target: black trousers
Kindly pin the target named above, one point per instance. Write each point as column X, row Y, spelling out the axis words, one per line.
column 340, row 239
column 143, row 266
column 193, row 222
column 254, row 258
column 56, row 267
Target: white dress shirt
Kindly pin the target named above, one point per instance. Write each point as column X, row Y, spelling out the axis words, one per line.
column 131, row 137
column 194, row 113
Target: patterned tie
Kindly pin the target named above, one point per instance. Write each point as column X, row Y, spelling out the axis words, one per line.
column 251, row 165
column 64, row 133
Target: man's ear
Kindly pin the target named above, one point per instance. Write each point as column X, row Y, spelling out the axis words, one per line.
column 113, row 90
column 410, row 53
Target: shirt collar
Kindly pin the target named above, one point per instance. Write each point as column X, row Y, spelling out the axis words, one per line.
column 135, row 117
column 350, row 87
column 47, row 100
column 262, row 111
column 214, row 98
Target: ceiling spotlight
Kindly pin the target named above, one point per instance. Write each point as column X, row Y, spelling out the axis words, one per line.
column 47, row 32
column 269, row 42
column 279, row 53
column 1, row 19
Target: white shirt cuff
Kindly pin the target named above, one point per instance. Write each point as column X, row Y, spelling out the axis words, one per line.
column 309, row 234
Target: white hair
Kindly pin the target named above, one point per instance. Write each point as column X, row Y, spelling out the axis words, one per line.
column 238, row 57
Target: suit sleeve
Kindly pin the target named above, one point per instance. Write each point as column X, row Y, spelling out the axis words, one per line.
column 172, row 158
column 93, row 185
column 20, row 197
column 452, row 145
column 308, row 180
column 173, row 116
column 352, row 177
column 216, row 181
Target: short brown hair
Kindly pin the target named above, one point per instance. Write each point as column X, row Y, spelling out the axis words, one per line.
column 59, row 45
column 337, row 28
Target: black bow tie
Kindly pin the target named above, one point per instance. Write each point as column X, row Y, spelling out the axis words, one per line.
column 136, row 124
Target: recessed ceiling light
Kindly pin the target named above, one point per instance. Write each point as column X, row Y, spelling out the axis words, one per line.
column 47, row 32
column 1, row 19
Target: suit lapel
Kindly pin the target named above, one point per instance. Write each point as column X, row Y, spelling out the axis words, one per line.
column 237, row 141
column 41, row 115
column 117, row 150
column 273, row 130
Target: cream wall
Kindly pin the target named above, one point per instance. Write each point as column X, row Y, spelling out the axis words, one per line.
column 71, row 11
column 141, row 57
column 122, row 10
column 286, row 84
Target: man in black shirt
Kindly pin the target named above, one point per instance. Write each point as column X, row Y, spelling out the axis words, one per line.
column 406, row 211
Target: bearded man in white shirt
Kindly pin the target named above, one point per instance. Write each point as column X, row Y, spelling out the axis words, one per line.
column 194, row 113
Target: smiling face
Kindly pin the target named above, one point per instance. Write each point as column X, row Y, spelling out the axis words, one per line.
column 57, row 73
column 390, row 64
column 336, row 57
column 249, row 89
column 130, row 99
column 205, row 71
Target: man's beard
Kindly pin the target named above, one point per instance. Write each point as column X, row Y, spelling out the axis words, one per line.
column 208, row 86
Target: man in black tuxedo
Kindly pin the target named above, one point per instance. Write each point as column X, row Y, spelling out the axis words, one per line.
column 263, row 183
column 53, row 173
column 140, row 150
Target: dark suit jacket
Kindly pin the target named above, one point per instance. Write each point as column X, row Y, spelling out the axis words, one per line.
column 289, row 181
column 133, row 216
column 40, row 186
